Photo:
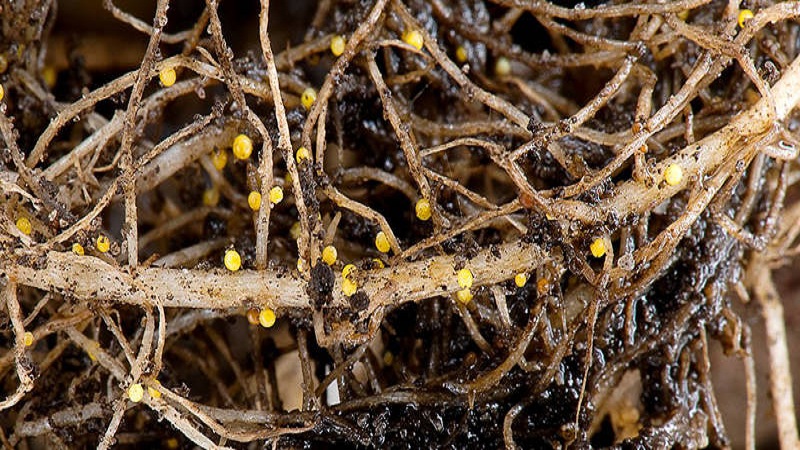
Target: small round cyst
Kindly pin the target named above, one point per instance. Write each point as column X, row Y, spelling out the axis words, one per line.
column 2, row 92
column 329, row 255
column 308, row 98
column 520, row 279
column 136, row 392
column 302, row 155
column 461, row 54
column 266, row 318
column 167, row 77
column 103, row 243
column 465, row 278
column 423, row 209
column 254, row 200
column 78, row 249
column 276, row 195
column 744, row 16
column 211, row 197
column 598, row 248
column 219, row 158
column 27, row 339
column 414, row 38
column 382, row 242
column 233, row 261
column 242, row 146
column 673, row 174
column 252, row 316
column 464, row 296
column 24, row 225
column 153, row 391
column 502, row 67
column 349, row 287
column 337, row 45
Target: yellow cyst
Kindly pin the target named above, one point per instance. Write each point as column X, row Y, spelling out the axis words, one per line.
column 211, row 197
column 295, row 230
column 136, row 392
column 27, row 339
column 673, row 174
column 378, row 263
column 413, row 38
column 242, row 146
column 266, row 318
column 388, row 358
column 77, row 249
column 502, row 66
column 167, row 77
column 232, row 260
column 2, row 92
column 423, row 209
column 520, row 279
column 598, row 247
column 24, row 225
column 349, row 287
column 329, row 255
column 382, row 242
column 49, row 76
column 254, row 200
column 683, row 15
column 337, row 45
column 302, row 155
column 153, row 391
column 276, row 195
column 461, row 54
column 744, row 16
column 465, row 278
column 219, row 158
column 308, row 98
column 348, row 270
column 103, row 243
column 464, row 296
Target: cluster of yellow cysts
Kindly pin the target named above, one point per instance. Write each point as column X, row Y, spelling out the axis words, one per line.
column 232, row 260
column 382, row 242
column 136, row 392
column 349, row 286
column 521, row 279
column 27, row 339
column 254, row 200
column 598, row 247
column 337, row 45
column 103, row 244
column 78, row 249
column 211, row 197
column 302, row 155
column 308, row 97
column 219, row 158
column 502, row 66
column 413, row 37
column 276, row 195
column 167, row 77
column 329, row 255
column 423, row 209
column 744, row 16
column 673, row 174
column 242, row 146
column 24, row 225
